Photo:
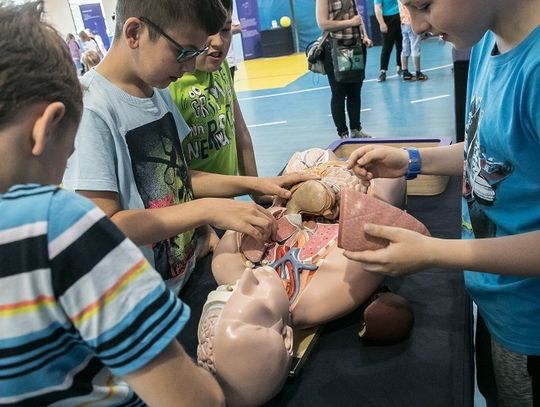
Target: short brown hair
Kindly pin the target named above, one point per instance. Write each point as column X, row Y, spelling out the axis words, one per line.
column 209, row 15
column 36, row 65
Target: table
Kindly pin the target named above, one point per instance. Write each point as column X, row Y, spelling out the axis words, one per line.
column 433, row 368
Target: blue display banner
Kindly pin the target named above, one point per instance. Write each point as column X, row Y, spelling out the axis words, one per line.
column 363, row 11
column 93, row 19
column 248, row 14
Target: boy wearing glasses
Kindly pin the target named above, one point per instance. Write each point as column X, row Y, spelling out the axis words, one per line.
column 129, row 158
column 80, row 307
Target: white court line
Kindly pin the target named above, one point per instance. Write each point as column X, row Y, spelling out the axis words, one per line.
column 294, row 92
column 428, row 99
column 267, row 124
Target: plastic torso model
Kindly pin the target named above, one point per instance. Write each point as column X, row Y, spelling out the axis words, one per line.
column 244, row 339
column 320, row 282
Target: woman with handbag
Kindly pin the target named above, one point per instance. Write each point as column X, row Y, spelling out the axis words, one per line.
column 341, row 19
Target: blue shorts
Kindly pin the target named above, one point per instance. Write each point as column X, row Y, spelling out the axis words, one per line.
column 411, row 41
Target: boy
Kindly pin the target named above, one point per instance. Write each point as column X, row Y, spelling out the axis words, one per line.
column 128, row 157
column 79, row 304
column 219, row 140
column 501, row 214
column 411, row 45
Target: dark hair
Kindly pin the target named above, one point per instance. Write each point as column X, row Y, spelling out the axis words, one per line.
column 227, row 4
column 36, row 65
column 209, row 15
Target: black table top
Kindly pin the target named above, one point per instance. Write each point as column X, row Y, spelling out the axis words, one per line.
column 433, row 367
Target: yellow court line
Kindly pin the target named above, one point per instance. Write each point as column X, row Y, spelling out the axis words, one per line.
column 269, row 73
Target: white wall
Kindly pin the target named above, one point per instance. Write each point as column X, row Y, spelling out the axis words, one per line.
column 58, row 13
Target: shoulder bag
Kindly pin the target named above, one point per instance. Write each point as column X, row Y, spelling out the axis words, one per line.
column 315, row 49
column 348, row 59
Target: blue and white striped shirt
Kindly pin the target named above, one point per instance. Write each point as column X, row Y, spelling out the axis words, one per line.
column 79, row 303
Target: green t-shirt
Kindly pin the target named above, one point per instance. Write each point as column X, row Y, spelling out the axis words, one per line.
column 205, row 100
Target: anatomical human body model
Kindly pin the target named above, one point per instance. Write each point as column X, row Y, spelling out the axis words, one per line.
column 320, row 282
column 245, row 339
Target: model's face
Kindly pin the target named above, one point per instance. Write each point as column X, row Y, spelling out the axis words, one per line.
column 218, row 47
column 158, row 59
column 461, row 22
column 259, row 299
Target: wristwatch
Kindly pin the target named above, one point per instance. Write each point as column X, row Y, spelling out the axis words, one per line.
column 415, row 164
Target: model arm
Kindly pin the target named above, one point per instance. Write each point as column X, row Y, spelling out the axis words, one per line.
column 409, row 252
column 324, row 22
column 172, row 379
column 380, row 18
column 244, row 144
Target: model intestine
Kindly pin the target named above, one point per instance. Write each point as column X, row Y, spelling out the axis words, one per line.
column 320, row 282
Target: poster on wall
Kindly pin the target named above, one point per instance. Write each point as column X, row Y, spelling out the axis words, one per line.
column 248, row 14
column 362, row 10
column 92, row 16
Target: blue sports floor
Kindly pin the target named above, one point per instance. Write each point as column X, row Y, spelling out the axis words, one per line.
column 296, row 117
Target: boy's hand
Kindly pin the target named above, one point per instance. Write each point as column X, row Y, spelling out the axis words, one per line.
column 407, row 252
column 376, row 161
column 278, row 185
column 243, row 217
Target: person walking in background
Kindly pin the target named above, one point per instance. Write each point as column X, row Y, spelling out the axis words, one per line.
column 345, row 24
column 99, row 41
column 89, row 43
column 411, row 46
column 75, row 51
column 387, row 14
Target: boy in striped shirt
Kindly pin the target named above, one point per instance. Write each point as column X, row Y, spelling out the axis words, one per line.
column 84, row 319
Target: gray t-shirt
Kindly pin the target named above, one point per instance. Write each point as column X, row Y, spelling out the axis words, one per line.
column 131, row 146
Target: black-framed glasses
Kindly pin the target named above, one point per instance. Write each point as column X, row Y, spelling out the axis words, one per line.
column 184, row 54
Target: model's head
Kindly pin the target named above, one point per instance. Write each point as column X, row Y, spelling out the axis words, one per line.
column 218, row 44
column 244, row 337
column 36, row 67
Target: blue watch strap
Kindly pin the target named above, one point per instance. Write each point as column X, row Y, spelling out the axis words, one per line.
column 415, row 164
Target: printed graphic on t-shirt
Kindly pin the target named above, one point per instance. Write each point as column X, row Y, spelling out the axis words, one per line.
column 212, row 118
column 482, row 175
column 162, row 180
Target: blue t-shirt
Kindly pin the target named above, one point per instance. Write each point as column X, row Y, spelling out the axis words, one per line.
column 132, row 146
column 79, row 303
column 389, row 7
column 502, row 180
